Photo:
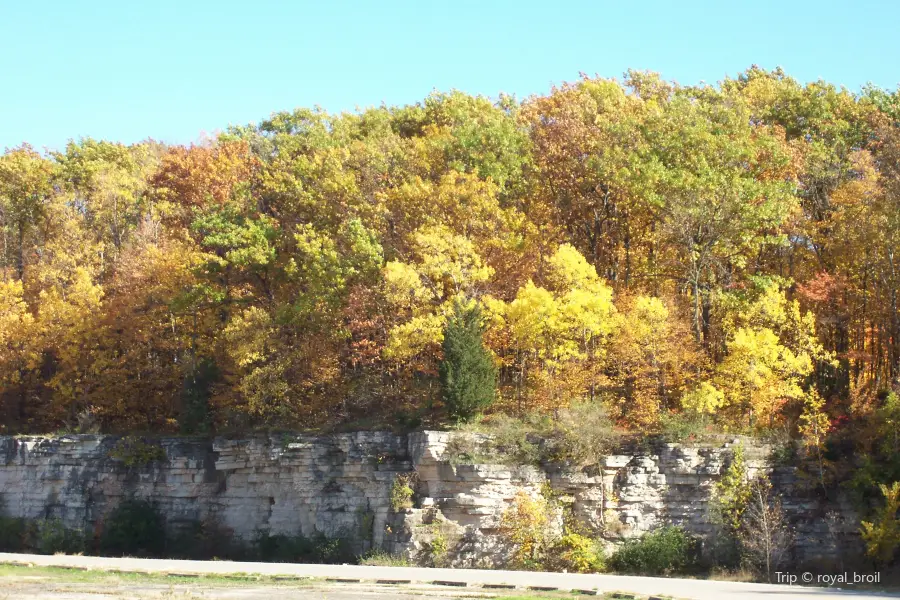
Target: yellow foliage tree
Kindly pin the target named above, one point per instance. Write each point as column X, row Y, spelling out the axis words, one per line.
column 759, row 375
column 525, row 526
column 651, row 356
column 18, row 353
column 67, row 318
column 882, row 536
column 563, row 329
column 771, row 347
column 447, row 267
column 704, row 399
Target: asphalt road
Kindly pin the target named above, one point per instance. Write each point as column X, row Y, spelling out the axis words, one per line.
column 644, row 586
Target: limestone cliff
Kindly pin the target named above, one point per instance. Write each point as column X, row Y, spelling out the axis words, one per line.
column 340, row 485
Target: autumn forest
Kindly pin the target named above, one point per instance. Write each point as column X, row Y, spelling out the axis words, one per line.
column 721, row 254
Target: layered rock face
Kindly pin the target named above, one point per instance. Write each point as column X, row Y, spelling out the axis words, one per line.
column 340, row 485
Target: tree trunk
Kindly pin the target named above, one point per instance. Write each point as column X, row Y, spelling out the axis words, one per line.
column 627, row 242
column 20, row 252
column 697, row 328
column 894, row 366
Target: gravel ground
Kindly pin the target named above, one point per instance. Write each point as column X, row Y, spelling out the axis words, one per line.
column 24, row 583
column 38, row 588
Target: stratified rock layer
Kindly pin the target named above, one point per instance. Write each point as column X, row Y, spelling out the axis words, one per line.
column 340, row 485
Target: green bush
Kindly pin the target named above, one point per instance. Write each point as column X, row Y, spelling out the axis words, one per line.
column 204, row 540
column 665, row 551
column 722, row 549
column 137, row 452
column 582, row 434
column 525, row 528
column 134, row 528
column 51, row 537
column 683, row 426
column 43, row 536
column 731, row 494
column 406, row 421
column 463, row 448
column 437, row 550
column 301, row 549
column 335, row 550
column 882, row 534
column 282, row 548
column 517, row 441
column 402, row 492
column 13, row 534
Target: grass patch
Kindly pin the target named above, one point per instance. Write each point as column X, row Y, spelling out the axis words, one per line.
column 107, row 580
column 581, row 434
column 73, row 575
column 380, row 558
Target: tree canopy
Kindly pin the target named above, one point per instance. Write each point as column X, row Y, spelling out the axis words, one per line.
column 724, row 251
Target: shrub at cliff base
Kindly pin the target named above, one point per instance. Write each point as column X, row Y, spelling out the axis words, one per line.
column 882, row 535
column 665, row 551
column 12, row 534
column 302, row 549
column 51, row 536
column 576, row 553
column 525, row 526
column 39, row 536
column 134, row 528
column 206, row 540
column 535, row 544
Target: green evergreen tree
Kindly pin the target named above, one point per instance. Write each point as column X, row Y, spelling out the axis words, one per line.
column 468, row 375
column 195, row 414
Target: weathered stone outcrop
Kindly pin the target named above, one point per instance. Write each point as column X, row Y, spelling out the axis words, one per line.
column 341, row 485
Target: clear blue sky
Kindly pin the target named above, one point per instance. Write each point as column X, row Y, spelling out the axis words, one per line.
column 170, row 70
